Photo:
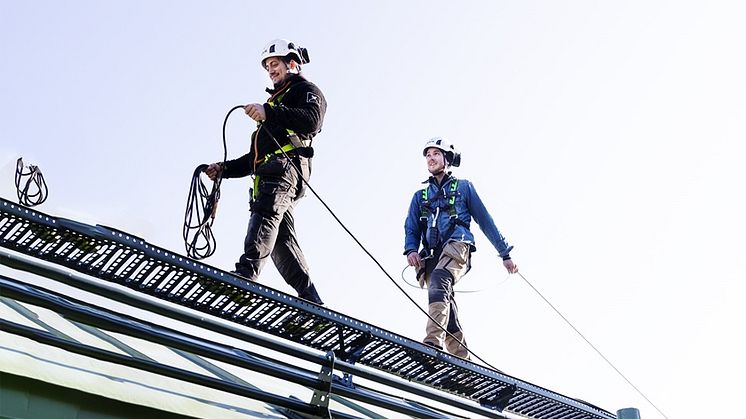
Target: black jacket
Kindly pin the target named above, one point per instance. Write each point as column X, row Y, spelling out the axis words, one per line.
column 299, row 106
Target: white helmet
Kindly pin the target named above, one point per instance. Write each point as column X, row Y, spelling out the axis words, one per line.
column 453, row 157
column 285, row 49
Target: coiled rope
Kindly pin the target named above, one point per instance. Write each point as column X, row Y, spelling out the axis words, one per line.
column 30, row 184
column 202, row 207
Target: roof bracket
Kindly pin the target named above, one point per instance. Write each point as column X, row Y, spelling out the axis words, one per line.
column 354, row 350
column 345, row 381
column 321, row 397
column 501, row 399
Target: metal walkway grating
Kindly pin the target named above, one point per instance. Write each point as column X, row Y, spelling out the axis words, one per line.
column 121, row 258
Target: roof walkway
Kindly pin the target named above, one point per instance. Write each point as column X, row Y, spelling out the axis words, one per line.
column 345, row 343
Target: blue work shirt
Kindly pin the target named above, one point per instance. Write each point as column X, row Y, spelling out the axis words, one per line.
column 467, row 204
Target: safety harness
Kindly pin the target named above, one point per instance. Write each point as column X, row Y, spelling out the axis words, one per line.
column 295, row 141
column 431, row 240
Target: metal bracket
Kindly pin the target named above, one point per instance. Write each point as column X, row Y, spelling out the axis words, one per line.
column 501, row 400
column 321, row 398
column 346, row 380
column 352, row 354
column 355, row 349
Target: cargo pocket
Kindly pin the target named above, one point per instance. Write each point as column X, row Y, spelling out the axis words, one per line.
column 273, row 197
column 274, row 166
column 457, row 256
column 457, row 251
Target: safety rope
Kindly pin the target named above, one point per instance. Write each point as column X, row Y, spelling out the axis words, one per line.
column 385, row 272
column 34, row 191
column 202, row 207
column 591, row 345
column 474, row 291
column 365, row 250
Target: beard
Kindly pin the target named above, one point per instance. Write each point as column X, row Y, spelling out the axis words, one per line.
column 437, row 171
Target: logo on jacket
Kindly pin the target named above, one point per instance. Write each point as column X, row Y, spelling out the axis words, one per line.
column 312, row 98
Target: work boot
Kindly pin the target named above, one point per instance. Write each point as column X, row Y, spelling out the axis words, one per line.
column 311, row 295
column 436, row 330
column 246, row 277
column 457, row 346
column 433, row 345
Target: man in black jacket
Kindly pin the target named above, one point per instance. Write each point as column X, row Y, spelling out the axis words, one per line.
column 286, row 125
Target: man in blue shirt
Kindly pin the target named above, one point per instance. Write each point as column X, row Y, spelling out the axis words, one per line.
column 439, row 217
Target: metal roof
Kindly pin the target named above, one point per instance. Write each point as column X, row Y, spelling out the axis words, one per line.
column 213, row 376
column 117, row 257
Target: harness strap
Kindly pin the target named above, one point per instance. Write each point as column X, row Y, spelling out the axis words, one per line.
column 426, row 211
column 284, row 149
column 292, row 136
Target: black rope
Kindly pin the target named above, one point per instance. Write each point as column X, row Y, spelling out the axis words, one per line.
column 202, row 207
column 34, row 191
column 216, row 193
column 199, row 216
column 364, row 249
column 417, row 305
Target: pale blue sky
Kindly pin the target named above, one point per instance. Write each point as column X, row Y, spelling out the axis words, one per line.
column 606, row 138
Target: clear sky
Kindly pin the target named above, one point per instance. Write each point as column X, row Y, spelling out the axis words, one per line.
column 606, row 138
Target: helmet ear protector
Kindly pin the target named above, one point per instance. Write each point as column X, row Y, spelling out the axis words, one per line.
column 301, row 53
column 456, row 159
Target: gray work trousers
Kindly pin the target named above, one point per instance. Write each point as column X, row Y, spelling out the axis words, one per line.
column 271, row 230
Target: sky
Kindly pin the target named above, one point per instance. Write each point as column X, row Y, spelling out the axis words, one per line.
column 605, row 138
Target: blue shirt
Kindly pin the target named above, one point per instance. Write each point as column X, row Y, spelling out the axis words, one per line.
column 467, row 204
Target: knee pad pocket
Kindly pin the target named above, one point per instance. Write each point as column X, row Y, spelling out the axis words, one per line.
column 439, row 289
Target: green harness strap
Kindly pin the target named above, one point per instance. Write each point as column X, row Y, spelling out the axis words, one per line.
column 431, row 238
column 284, row 149
column 425, row 210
